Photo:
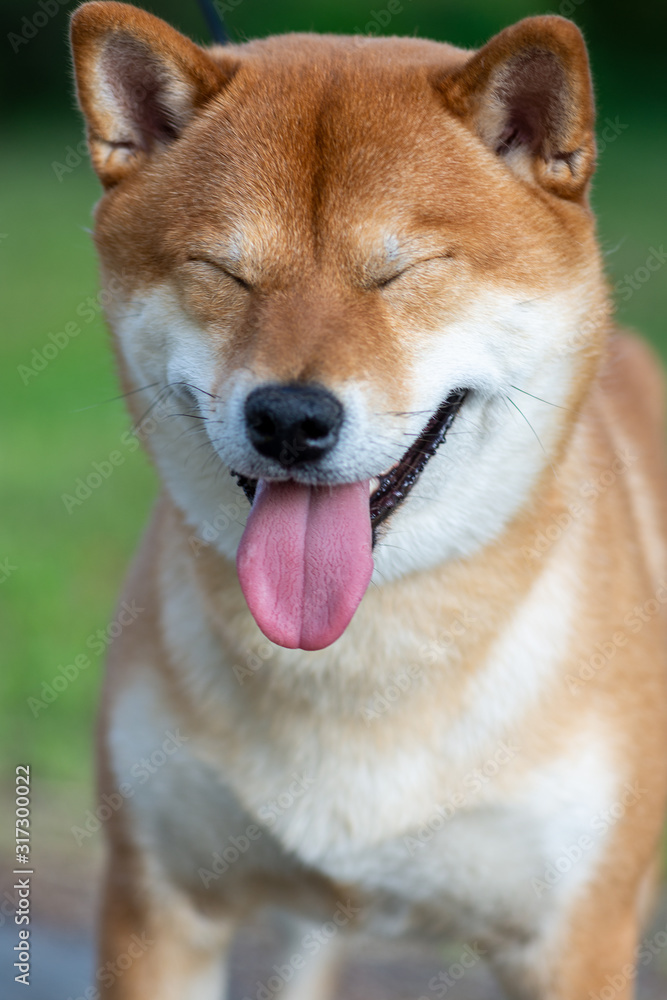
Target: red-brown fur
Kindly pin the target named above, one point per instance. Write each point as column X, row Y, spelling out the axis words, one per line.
column 311, row 310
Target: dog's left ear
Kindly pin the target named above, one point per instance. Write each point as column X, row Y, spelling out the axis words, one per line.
column 139, row 83
column 528, row 96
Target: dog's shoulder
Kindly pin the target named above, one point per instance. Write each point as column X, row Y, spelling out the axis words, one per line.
column 632, row 378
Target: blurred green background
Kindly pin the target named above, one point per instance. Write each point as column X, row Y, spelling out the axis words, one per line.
column 60, row 570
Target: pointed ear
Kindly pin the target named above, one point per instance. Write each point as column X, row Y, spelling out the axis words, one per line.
column 527, row 94
column 139, row 83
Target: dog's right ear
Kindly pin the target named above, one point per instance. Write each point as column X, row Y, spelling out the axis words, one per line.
column 139, row 83
column 527, row 95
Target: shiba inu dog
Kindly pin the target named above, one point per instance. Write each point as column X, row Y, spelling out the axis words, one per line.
column 401, row 597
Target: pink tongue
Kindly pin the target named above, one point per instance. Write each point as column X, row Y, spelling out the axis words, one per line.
column 305, row 560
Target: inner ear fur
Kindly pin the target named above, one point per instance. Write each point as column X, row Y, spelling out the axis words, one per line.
column 528, row 95
column 139, row 83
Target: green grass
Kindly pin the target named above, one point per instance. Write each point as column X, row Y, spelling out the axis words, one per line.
column 630, row 200
column 69, row 566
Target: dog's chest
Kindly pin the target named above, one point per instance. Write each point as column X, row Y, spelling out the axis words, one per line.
column 476, row 849
column 470, row 854
column 455, row 817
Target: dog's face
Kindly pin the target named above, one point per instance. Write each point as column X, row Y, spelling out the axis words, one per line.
column 329, row 253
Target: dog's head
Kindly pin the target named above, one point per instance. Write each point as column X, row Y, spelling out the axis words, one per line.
column 328, row 253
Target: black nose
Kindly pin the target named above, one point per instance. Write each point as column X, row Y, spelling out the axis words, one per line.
column 293, row 423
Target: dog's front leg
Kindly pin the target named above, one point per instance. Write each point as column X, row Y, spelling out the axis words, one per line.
column 154, row 945
column 591, row 956
column 310, row 962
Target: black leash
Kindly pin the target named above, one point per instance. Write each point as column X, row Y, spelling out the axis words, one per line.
column 214, row 21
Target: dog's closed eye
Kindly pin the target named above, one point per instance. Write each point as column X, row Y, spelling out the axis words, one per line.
column 383, row 282
column 222, row 268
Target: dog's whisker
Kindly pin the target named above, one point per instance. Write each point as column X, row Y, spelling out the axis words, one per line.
column 211, row 458
column 192, row 416
column 197, row 430
column 537, row 437
column 401, row 413
column 158, row 398
column 533, row 396
column 191, row 385
column 115, row 399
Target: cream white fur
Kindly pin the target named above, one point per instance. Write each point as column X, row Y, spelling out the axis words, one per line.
column 507, row 351
column 474, row 873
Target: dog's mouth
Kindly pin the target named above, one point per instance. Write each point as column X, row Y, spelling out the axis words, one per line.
column 391, row 488
column 305, row 558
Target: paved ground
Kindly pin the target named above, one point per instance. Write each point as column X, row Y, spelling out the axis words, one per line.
column 63, row 966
